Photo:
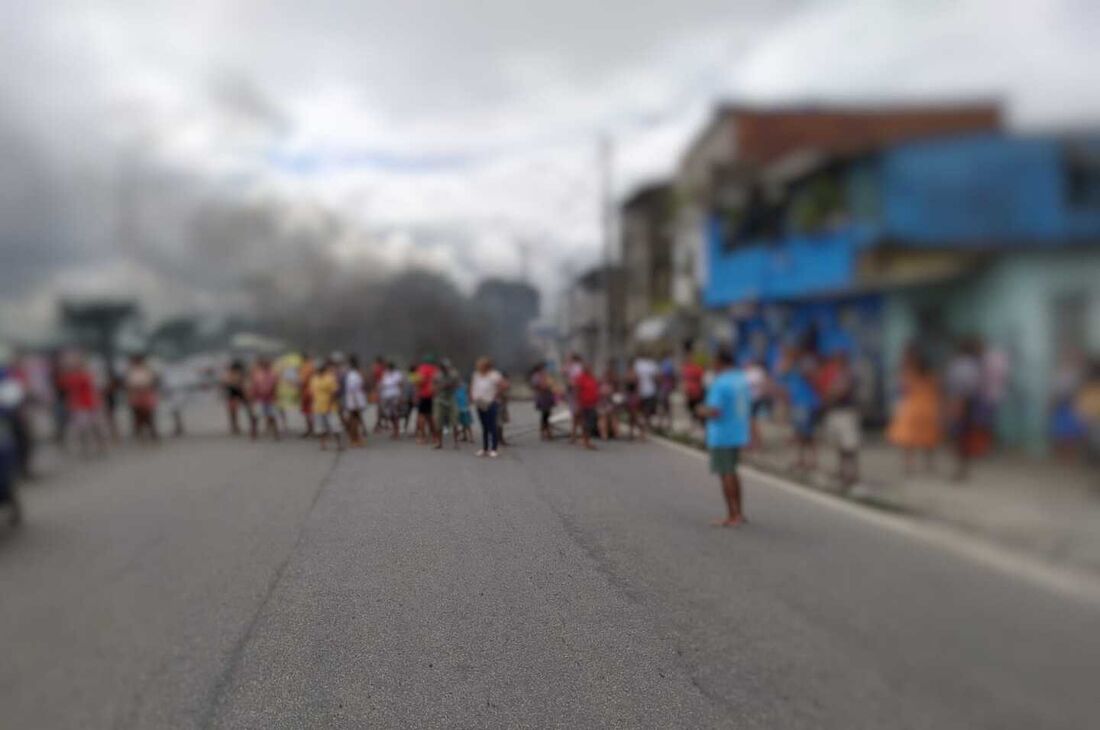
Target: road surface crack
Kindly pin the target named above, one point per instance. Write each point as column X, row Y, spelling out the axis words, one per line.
column 226, row 677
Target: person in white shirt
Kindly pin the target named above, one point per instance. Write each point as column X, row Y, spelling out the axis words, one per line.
column 355, row 402
column 647, row 371
column 391, row 391
column 485, row 386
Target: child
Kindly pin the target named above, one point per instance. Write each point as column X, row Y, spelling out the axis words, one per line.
column 324, row 387
column 462, row 405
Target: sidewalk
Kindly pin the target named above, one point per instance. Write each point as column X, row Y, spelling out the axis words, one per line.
column 1042, row 507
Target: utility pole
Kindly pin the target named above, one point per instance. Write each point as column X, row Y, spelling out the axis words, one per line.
column 606, row 153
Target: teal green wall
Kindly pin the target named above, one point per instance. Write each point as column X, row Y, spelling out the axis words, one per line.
column 1009, row 303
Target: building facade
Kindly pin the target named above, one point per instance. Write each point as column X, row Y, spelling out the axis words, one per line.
column 928, row 240
column 721, row 168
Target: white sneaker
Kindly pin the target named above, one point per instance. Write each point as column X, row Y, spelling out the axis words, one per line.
column 492, row 454
column 480, row 452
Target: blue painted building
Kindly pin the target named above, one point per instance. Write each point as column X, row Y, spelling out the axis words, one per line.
column 980, row 234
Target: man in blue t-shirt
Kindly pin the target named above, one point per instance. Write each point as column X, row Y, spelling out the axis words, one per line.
column 728, row 412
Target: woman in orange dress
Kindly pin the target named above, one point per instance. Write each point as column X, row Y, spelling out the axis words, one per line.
column 917, row 424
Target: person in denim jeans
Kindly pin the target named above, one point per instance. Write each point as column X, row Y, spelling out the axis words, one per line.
column 485, row 390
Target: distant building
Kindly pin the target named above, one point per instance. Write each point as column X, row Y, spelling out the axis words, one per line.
column 647, row 236
column 108, row 327
column 510, row 306
column 588, row 309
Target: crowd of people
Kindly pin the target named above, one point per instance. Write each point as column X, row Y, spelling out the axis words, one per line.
column 427, row 400
column 82, row 399
column 817, row 396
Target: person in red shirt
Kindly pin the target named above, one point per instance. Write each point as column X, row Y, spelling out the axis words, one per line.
column 262, row 384
column 83, row 404
column 376, row 372
column 425, row 390
column 691, row 376
column 588, row 398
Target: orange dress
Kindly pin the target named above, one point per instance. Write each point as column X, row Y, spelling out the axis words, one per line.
column 918, row 418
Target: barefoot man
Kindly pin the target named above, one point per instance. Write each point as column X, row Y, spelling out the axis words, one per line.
column 727, row 411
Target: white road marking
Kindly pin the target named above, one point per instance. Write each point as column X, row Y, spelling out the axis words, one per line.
column 1060, row 579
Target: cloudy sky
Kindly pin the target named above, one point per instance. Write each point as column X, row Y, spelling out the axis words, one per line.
column 172, row 149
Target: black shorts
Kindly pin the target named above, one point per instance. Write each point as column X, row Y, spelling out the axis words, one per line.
column 649, row 405
column 588, row 421
column 693, row 406
column 424, row 406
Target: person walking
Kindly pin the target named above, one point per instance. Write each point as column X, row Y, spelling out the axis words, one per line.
column 485, row 392
column 727, row 412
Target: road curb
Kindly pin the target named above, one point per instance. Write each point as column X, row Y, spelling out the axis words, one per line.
column 1064, row 580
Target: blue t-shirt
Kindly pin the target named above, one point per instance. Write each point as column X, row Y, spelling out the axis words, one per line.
column 462, row 398
column 731, row 395
column 800, row 391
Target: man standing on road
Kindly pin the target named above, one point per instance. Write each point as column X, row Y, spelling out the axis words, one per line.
column 727, row 412
column 588, row 398
column 445, row 411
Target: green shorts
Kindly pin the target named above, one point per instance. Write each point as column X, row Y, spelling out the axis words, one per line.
column 444, row 412
column 723, row 460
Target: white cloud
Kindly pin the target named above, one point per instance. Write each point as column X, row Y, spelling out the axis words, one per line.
column 447, row 132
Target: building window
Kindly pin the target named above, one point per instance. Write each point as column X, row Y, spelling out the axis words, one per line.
column 1083, row 177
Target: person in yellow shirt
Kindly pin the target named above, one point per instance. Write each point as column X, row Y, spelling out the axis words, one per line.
column 323, row 388
column 288, row 391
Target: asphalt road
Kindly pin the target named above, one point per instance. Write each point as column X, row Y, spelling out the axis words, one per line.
column 213, row 582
